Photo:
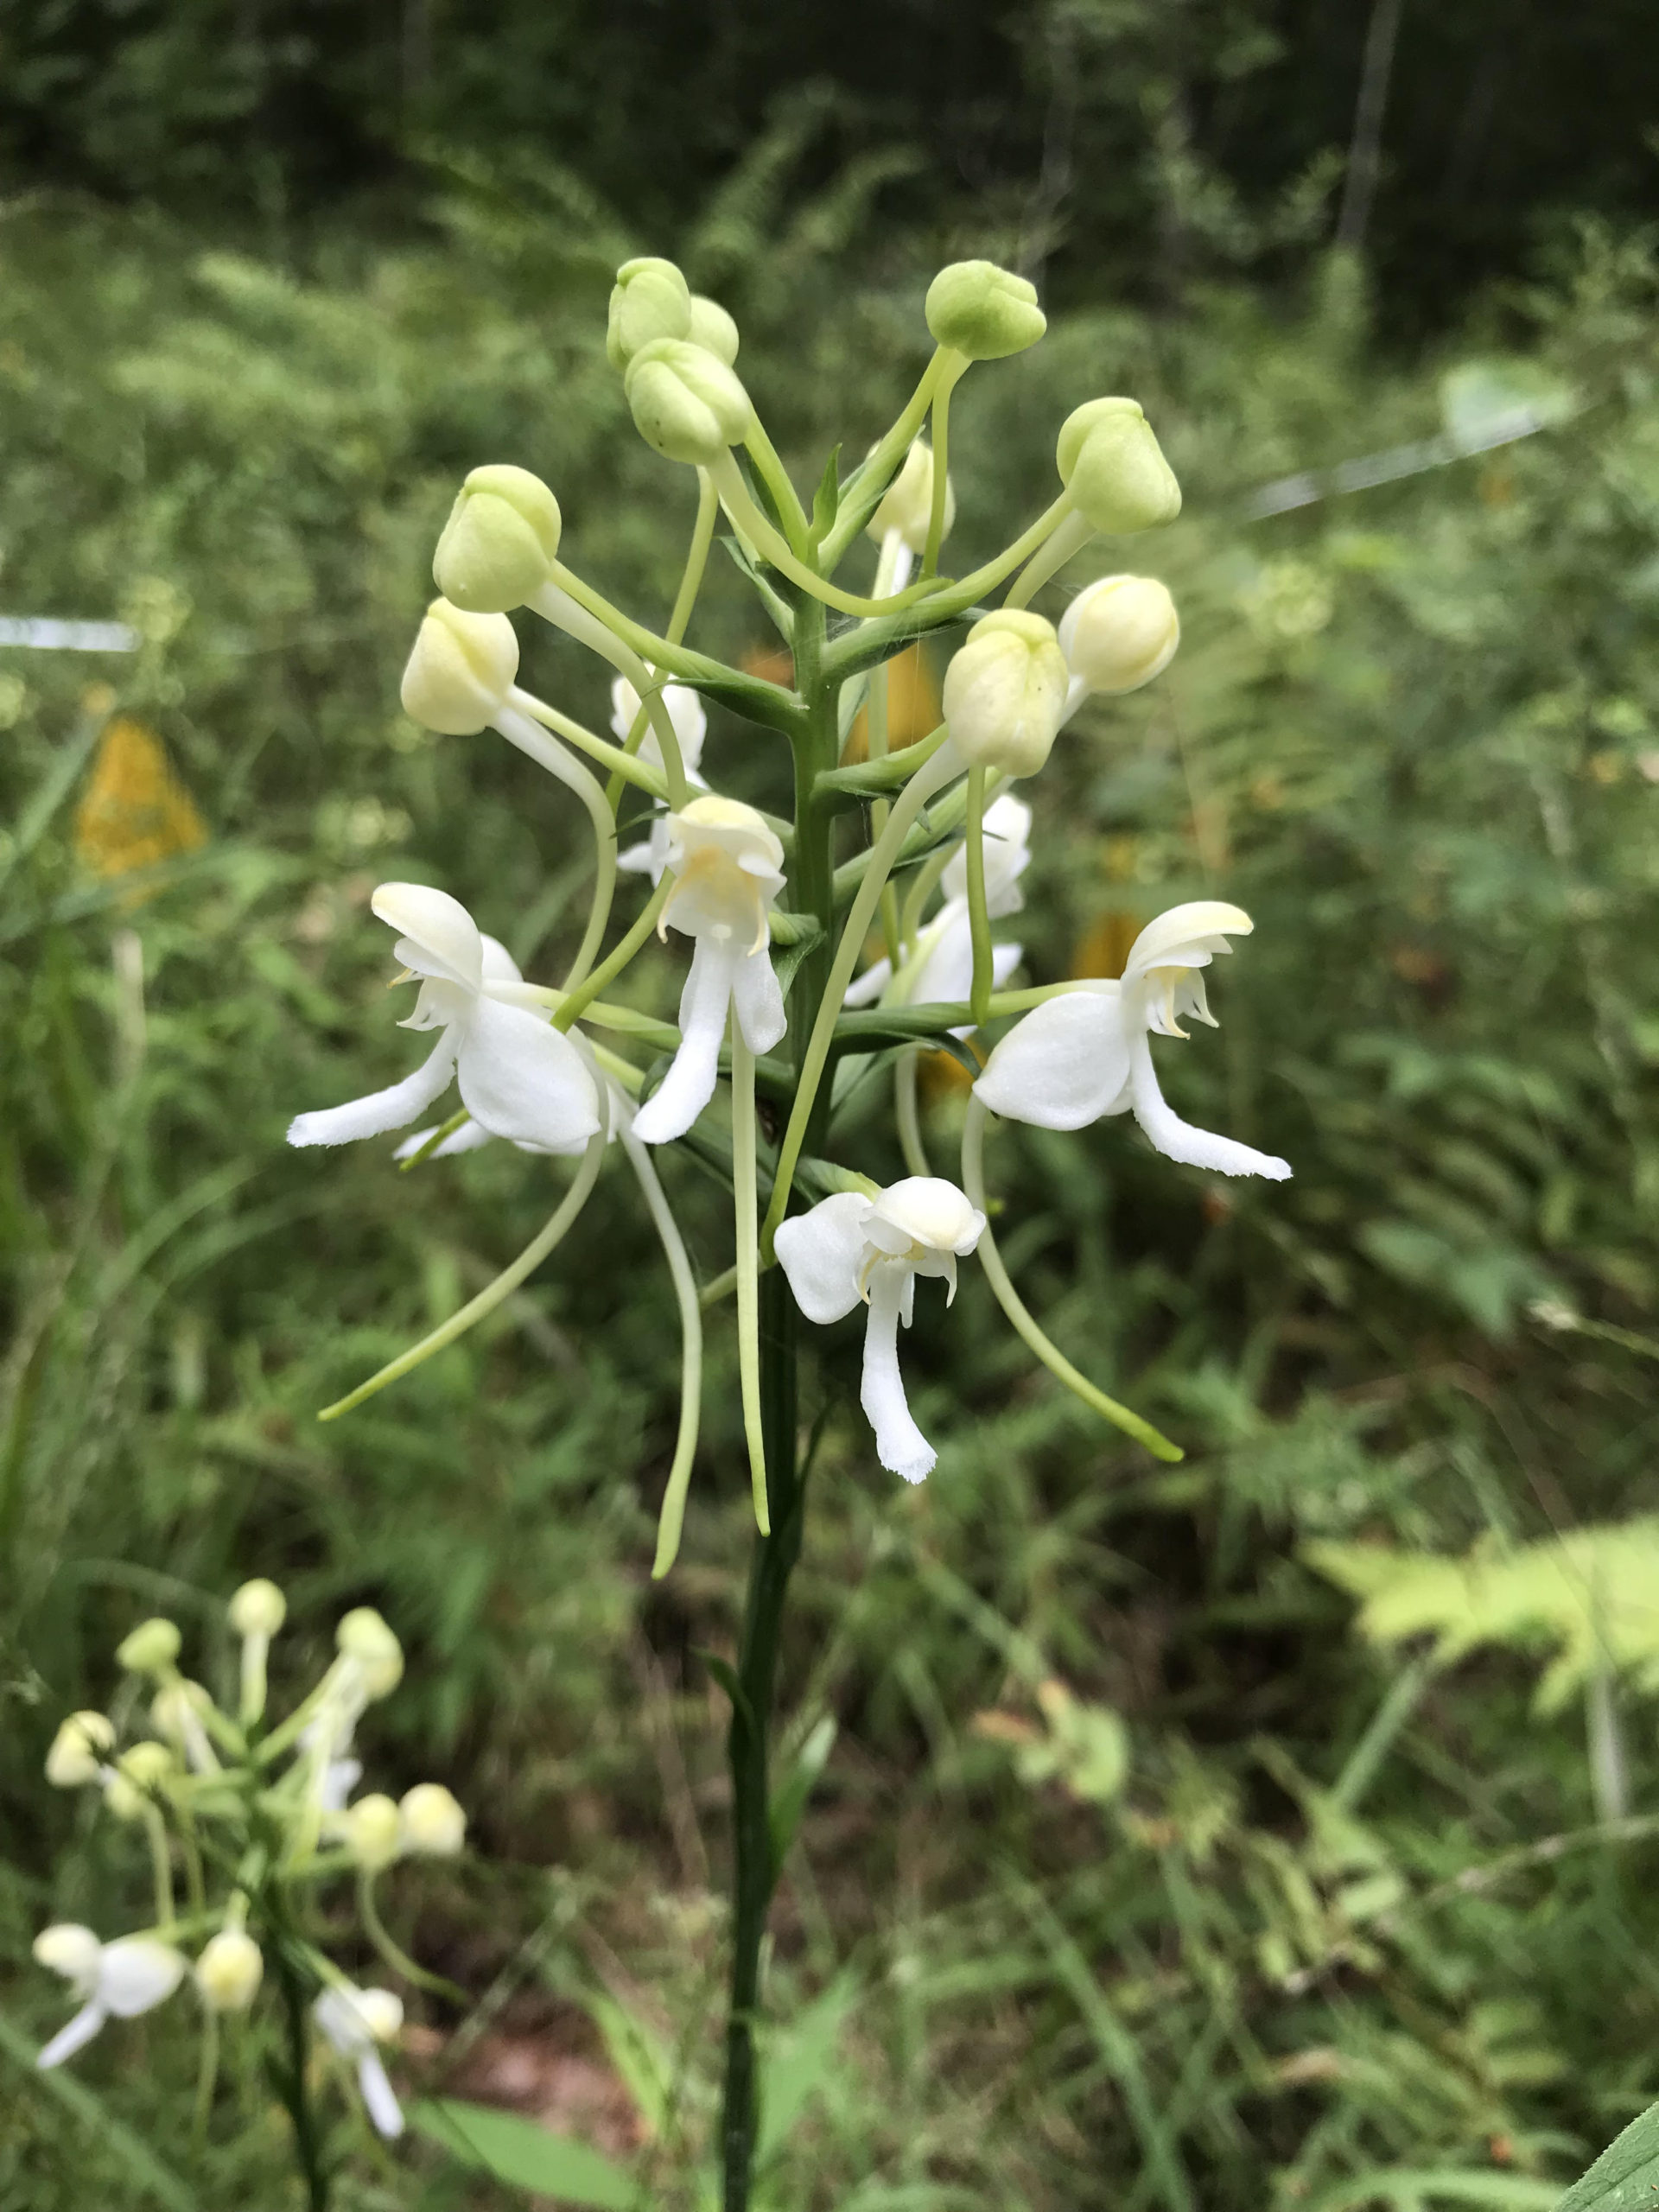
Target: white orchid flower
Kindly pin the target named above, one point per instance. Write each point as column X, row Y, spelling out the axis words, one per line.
column 1087, row 1053
column 728, row 866
column 941, row 967
column 850, row 1247
column 355, row 2022
column 519, row 1077
column 685, row 712
column 114, row 1981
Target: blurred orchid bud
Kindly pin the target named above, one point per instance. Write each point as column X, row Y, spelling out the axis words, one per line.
column 687, row 404
column 713, row 329
column 1115, row 469
column 983, row 311
column 372, row 1832
column 461, row 669
column 650, row 300
column 499, row 543
column 363, row 1637
column 1119, row 634
column 229, row 1971
column 77, row 1751
column 258, row 1608
column 432, row 1822
column 907, row 503
column 139, row 1773
column 1004, row 692
column 150, row 1650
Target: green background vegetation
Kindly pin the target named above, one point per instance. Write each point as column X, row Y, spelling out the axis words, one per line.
column 1258, row 1911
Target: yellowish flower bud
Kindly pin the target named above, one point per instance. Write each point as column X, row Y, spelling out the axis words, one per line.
column 461, row 669
column 365, row 1638
column 258, row 1608
column 229, row 1971
column 1115, row 469
column 907, row 503
column 150, row 1650
column 983, row 311
column 74, row 1952
column 1119, row 634
column 650, row 300
column 687, row 404
column 432, row 1823
column 1004, row 692
column 177, row 1709
column 372, row 1833
column 713, row 329
column 141, row 1772
column 499, row 543
column 79, row 1749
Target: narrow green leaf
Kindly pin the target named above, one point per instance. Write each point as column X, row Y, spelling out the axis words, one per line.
column 145, row 2169
column 1625, row 2176
column 790, row 1799
column 725, row 1674
column 826, row 500
column 522, row 2155
column 799, row 2058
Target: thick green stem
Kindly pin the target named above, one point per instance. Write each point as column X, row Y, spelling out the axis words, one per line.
column 746, row 1211
column 295, row 2090
column 955, row 366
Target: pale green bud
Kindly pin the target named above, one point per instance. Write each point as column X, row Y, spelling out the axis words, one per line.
column 713, row 329
column 650, row 300
column 150, row 1650
column 687, row 404
column 1004, row 692
column 229, row 1971
column 372, row 1833
column 1115, row 468
column 461, row 669
column 432, row 1823
column 499, row 543
column 140, row 1773
column 258, row 1608
column 178, row 1708
column 983, row 311
column 1119, row 634
column 77, row 1751
column 365, row 1639
column 74, row 1952
column 907, row 503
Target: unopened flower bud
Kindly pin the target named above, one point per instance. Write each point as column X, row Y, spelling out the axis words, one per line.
column 258, row 1608
column 74, row 1952
column 177, row 1709
column 713, row 328
column 432, row 1822
column 907, row 503
column 150, row 1650
column 77, row 1754
column 373, row 1832
column 365, row 1638
column 1119, row 634
column 229, row 1971
column 1115, row 469
column 983, row 311
column 650, row 300
column 687, row 404
column 140, row 1772
column 460, row 670
column 1004, row 692
column 501, row 539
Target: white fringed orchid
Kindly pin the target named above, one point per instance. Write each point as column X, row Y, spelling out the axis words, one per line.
column 850, row 1247
column 940, row 967
column 685, row 712
column 729, row 870
column 356, row 2022
column 113, row 1980
column 1087, row 1053
column 519, row 1077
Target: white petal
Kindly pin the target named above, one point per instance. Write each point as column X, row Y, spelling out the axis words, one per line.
column 690, row 1084
column 1179, row 1140
column 378, row 2094
column 436, row 935
column 497, row 964
column 924, row 1209
column 381, row 1109
column 340, row 1778
column 138, row 1973
column 340, row 2018
column 1064, row 1065
column 899, row 1445
column 820, row 1252
column 75, row 2035
column 1187, row 937
column 758, row 1001
column 522, row 1079
column 469, row 1137
column 865, row 989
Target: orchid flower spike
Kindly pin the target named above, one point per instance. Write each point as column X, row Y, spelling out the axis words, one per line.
column 118, row 1980
column 519, row 1077
column 355, row 2022
column 690, row 725
column 850, row 1247
column 729, row 870
column 1087, row 1053
column 940, row 968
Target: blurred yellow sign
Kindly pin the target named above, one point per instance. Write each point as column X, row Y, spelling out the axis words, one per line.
column 134, row 812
